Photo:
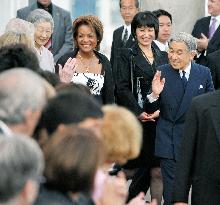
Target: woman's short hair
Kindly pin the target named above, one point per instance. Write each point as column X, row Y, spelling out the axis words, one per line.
column 13, row 38
column 72, row 156
column 122, row 134
column 145, row 19
column 93, row 22
column 40, row 15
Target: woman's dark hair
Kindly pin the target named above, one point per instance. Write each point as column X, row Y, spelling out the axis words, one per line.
column 50, row 77
column 93, row 22
column 72, row 157
column 19, row 55
column 145, row 19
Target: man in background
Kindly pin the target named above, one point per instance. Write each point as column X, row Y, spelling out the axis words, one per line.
column 61, row 41
column 122, row 37
column 207, row 32
column 23, row 94
column 165, row 29
column 21, row 166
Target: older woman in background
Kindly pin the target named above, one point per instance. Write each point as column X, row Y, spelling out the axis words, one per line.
column 43, row 23
column 89, row 67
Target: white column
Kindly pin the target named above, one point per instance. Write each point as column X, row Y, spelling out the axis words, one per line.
column 8, row 10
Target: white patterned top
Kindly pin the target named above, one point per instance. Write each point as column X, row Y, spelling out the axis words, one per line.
column 93, row 81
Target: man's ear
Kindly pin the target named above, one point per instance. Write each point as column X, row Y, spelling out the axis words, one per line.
column 43, row 137
column 31, row 118
column 29, row 192
column 193, row 54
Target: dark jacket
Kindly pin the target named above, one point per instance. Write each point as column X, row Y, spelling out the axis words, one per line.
column 117, row 45
column 143, row 74
column 108, row 88
column 199, row 161
column 214, row 65
column 173, row 103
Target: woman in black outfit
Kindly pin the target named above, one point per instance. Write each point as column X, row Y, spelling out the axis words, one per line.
column 136, row 69
column 91, row 68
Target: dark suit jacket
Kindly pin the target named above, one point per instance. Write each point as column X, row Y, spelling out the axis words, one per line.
column 117, row 44
column 202, row 26
column 143, row 74
column 199, row 161
column 62, row 37
column 214, row 65
column 108, row 88
column 174, row 103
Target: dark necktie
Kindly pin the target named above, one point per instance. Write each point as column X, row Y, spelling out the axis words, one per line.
column 212, row 28
column 125, row 37
column 184, row 80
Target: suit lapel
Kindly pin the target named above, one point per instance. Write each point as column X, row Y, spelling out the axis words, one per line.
column 192, row 86
column 34, row 6
column 215, row 113
column 130, row 41
column 56, row 18
column 141, row 62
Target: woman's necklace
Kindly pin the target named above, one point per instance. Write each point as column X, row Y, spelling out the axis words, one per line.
column 87, row 65
column 149, row 58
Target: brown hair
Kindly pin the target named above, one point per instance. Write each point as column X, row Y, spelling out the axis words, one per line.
column 93, row 22
column 72, row 156
column 122, row 134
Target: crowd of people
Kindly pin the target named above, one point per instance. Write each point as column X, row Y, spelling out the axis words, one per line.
column 79, row 128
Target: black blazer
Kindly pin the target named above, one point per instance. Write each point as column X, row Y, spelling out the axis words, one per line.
column 199, row 161
column 108, row 88
column 214, row 65
column 117, row 44
column 143, row 73
column 202, row 26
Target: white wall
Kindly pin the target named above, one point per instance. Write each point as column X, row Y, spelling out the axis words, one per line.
column 185, row 13
column 8, row 10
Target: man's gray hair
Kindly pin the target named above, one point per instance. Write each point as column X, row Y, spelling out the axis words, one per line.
column 21, row 89
column 21, row 159
column 186, row 38
column 40, row 15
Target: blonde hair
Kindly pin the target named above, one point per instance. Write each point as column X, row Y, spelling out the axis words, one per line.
column 13, row 38
column 122, row 134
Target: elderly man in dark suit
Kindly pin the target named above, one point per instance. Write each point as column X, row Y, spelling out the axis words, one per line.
column 122, row 37
column 199, row 161
column 207, row 32
column 184, row 80
column 214, row 65
column 62, row 39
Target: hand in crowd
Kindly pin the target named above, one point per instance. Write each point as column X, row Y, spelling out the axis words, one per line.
column 66, row 73
column 202, row 43
column 144, row 117
column 140, row 200
column 115, row 191
column 157, row 84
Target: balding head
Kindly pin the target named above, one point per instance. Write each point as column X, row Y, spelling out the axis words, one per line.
column 21, row 91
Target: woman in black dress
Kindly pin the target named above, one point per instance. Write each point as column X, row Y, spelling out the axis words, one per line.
column 136, row 68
